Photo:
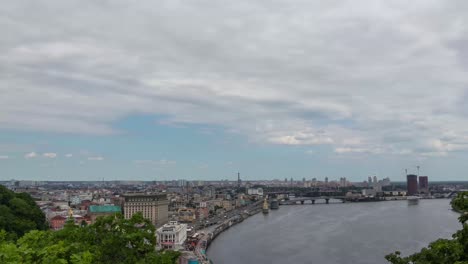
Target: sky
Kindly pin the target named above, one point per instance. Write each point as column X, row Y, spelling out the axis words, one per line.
column 162, row 90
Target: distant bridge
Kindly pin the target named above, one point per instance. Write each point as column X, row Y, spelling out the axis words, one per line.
column 302, row 193
column 303, row 200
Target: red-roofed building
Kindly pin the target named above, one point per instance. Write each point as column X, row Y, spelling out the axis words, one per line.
column 57, row 222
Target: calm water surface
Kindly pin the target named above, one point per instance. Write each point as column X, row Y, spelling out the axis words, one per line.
column 335, row 233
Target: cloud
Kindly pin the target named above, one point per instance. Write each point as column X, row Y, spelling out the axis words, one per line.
column 4, row 157
column 161, row 162
column 30, row 155
column 69, row 155
column 96, row 158
column 50, row 155
column 360, row 77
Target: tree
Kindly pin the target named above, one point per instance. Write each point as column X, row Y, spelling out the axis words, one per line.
column 19, row 213
column 443, row 251
column 111, row 239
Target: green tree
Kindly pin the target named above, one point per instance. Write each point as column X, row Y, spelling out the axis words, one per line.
column 19, row 213
column 443, row 251
column 111, row 239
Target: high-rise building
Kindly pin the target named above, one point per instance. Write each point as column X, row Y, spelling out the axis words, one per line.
column 386, row 182
column 153, row 207
column 182, row 183
column 412, row 184
column 423, row 184
column 343, row 182
column 369, row 180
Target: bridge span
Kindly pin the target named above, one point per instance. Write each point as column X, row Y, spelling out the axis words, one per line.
column 303, row 200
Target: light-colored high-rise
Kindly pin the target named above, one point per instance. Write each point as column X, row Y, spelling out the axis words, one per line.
column 153, row 207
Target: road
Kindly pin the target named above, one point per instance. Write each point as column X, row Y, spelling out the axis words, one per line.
column 215, row 222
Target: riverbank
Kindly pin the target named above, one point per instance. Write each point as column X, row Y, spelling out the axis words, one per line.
column 209, row 237
column 231, row 222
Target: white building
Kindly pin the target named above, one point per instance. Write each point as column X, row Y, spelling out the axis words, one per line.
column 255, row 191
column 368, row 192
column 171, row 236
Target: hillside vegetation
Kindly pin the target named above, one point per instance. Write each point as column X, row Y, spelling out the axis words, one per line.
column 19, row 214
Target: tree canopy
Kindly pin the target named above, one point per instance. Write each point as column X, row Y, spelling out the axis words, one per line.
column 19, row 213
column 443, row 251
column 109, row 240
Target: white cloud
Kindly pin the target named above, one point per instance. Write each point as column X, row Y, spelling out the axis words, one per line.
column 96, row 158
column 50, row 155
column 161, row 162
column 360, row 76
column 30, row 155
column 69, row 155
column 4, row 157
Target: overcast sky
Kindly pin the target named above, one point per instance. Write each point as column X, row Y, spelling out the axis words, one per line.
column 203, row 89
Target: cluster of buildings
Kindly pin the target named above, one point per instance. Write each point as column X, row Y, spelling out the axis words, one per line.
column 176, row 209
column 153, row 207
column 413, row 188
column 179, row 208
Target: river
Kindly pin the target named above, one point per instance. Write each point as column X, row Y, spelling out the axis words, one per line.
column 335, row 233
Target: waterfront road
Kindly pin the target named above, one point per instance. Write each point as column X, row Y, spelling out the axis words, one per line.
column 207, row 233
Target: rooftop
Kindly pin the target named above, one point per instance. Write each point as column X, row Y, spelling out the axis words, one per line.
column 105, row 209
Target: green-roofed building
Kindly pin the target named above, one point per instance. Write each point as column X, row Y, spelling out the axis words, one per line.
column 96, row 211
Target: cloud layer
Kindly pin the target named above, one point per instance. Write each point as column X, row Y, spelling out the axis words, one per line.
column 361, row 77
column 50, row 155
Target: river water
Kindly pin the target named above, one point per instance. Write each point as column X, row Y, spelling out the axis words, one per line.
column 335, row 233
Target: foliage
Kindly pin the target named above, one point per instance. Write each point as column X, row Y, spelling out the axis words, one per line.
column 443, row 251
column 109, row 240
column 19, row 213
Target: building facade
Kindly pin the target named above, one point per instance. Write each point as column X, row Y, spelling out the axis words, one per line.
column 423, row 184
column 153, row 207
column 412, row 184
column 187, row 215
column 171, row 236
column 57, row 222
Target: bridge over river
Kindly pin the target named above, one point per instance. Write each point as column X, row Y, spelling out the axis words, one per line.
column 311, row 200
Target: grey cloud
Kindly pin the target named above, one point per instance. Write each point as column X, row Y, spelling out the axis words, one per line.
column 364, row 77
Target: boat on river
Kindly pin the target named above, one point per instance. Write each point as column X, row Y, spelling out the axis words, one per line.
column 265, row 207
column 413, row 200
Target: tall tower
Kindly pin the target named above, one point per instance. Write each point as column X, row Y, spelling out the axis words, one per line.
column 412, row 184
column 238, row 181
column 423, row 184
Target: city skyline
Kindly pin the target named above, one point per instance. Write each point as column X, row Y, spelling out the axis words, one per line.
column 185, row 90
